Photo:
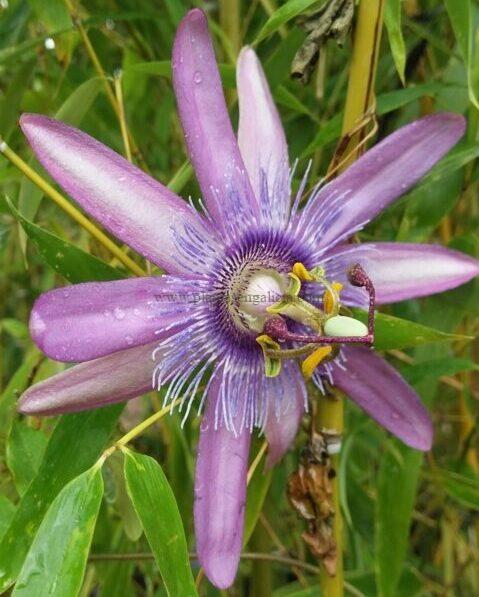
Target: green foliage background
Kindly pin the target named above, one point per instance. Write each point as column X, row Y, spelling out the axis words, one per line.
column 411, row 524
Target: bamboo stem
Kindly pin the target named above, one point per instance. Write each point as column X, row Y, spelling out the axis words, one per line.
column 362, row 73
column 122, row 117
column 359, row 102
column 330, row 417
column 136, row 431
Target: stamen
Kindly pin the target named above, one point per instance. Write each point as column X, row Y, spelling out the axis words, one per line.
column 316, row 358
column 302, row 273
column 331, row 298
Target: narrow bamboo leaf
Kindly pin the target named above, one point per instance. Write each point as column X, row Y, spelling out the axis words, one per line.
column 257, row 490
column 176, row 10
column 386, row 103
column 14, row 327
column 463, row 489
column 427, row 205
column 282, row 15
column 72, row 263
column 79, row 102
column 72, row 111
column 10, row 101
column 57, row 559
column 156, row 507
column 54, row 15
column 395, row 333
column 131, row 523
column 7, row 511
column 25, row 449
column 75, row 444
column 461, row 17
column 437, row 367
column 162, row 68
column 285, row 98
column 392, row 20
column 436, row 195
column 397, row 482
column 15, row 387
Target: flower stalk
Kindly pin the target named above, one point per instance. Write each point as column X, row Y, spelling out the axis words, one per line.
column 359, row 101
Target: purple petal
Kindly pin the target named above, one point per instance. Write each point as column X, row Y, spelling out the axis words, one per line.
column 382, row 175
column 220, row 493
column 209, row 135
column 379, row 390
column 87, row 321
column 402, row 271
column 134, row 207
column 114, row 378
column 281, row 427
column 261, row 138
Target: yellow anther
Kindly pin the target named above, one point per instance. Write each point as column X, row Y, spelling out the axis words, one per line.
column 315, row 358
column 331, row 298
column 302, row 273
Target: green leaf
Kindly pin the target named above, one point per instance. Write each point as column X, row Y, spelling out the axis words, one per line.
column 74, row 446
column 54, row 15
column 79, row 102
column 16, row 385
column 392, row 20
column 461, row 17
column 397, row 482
column 25, row 449
column 7, row 511
column 282, row 15
column 66, row 259
column 10, row 101
column 17, row 329
column 56, row 562
column 257, row 490
column 437, row 194
column 162, row 68
column 72, row 111
column 284, row 97
column 463, row 489
column 386, row 103
column 156, row 507
column 437, row 367
column 396, row 333
column 131, row 524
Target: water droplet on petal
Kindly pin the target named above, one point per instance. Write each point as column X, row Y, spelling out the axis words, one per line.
column 119, row 313
column 197, row 77
column 129, row 340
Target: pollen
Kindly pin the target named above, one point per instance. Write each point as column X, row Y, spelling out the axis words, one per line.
column 302, row 273
column 331, row 298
